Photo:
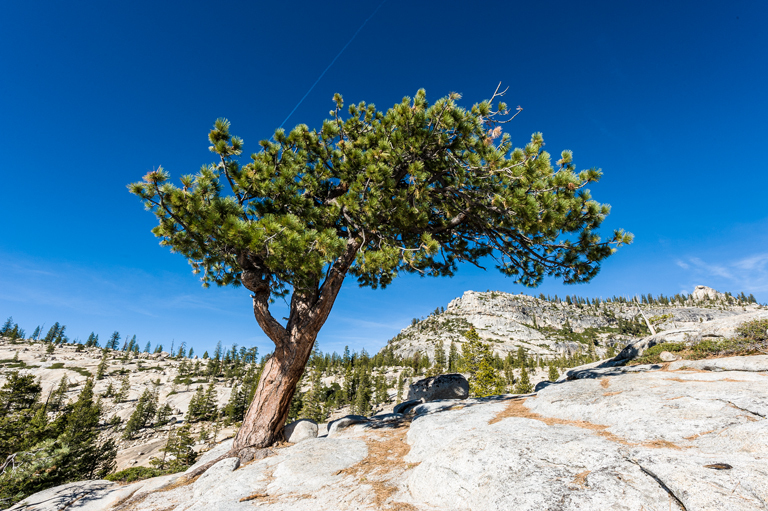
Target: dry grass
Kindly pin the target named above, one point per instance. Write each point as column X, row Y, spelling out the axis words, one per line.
column 661, row 444
column 178, row 483
column 581, row 478
column 697, row 435
column 383, row 464
column 265, row 498
column 517, row 408
column 731, row 380
column 613, row 393
column 750, row 418
column 118, row 504
column 254, row 497
column 605, row 383
column 129, row 502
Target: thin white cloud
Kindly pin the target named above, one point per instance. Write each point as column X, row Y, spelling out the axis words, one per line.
column 714, row 269
column 754, row 263
column 394, row 326
column 748, row 274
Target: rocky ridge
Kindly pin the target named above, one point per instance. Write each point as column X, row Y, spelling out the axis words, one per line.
column 539, row 326
column 613, row 438
column 507, row 321
column 143, row 371
column 690, row 435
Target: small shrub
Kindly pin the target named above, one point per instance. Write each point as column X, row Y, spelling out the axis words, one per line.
column 14, row 363
column 756, row 330
column 57, row 365
column 752, row 340
column 132, row 474
column 80, row 370
column 727, row 347
column 708, row 346
column 651, row 355
column 659, row 319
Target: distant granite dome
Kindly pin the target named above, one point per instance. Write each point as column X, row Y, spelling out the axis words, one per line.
column 702, row 293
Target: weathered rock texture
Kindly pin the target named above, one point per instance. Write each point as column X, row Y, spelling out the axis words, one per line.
column 616, row 438
column 144, row 372
column 506, row 321
column 720, row 328
column 445, row 386
column 301, row 430
column 509, row 321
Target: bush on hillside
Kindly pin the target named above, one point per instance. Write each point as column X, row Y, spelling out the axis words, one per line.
column 132, row 474
column 752, row 340
column 756, row 330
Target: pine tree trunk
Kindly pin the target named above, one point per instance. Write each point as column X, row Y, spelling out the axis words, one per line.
column 265, row 418
column 310, row 305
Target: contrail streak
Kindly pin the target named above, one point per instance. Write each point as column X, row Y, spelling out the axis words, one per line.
column 329, row 65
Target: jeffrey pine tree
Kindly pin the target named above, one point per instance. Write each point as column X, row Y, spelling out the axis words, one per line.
column 419, row 188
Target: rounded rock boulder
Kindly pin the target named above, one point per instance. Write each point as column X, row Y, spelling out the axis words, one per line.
column 445, row 386
column 300, row 430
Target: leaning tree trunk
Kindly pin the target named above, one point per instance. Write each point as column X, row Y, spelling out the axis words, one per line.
column 265, row 418
column 263, row 422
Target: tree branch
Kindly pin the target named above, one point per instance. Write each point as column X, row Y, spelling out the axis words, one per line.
column 330, row 288
column 256, row 282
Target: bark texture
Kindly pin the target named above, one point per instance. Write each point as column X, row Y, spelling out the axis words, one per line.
column 264, row 421
column 266, row 416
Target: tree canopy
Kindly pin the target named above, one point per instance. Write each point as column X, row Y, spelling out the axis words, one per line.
column 418, row 188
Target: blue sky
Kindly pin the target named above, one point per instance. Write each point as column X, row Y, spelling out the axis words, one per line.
column 668, row 98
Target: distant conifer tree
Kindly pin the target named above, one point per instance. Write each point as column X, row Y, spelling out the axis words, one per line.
column 93, row 341
column 125, row 388
column 364, row 393
column 195, row 411
column 484, row 378
column 521, row 358
column 112, row 343
column 56, row 401
column 440, row 361
column 234, row 410
column 102, row 369
column 142, row 415
column 178, row 452
column 401, row 385
column 109, row 391
column 509, row 373
column 381, row 395
column 163, row 414
column 209, row 405
column 53, row 332
column 523, row 385
column 454, row 359
column 554, row 374
column 312, row 406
